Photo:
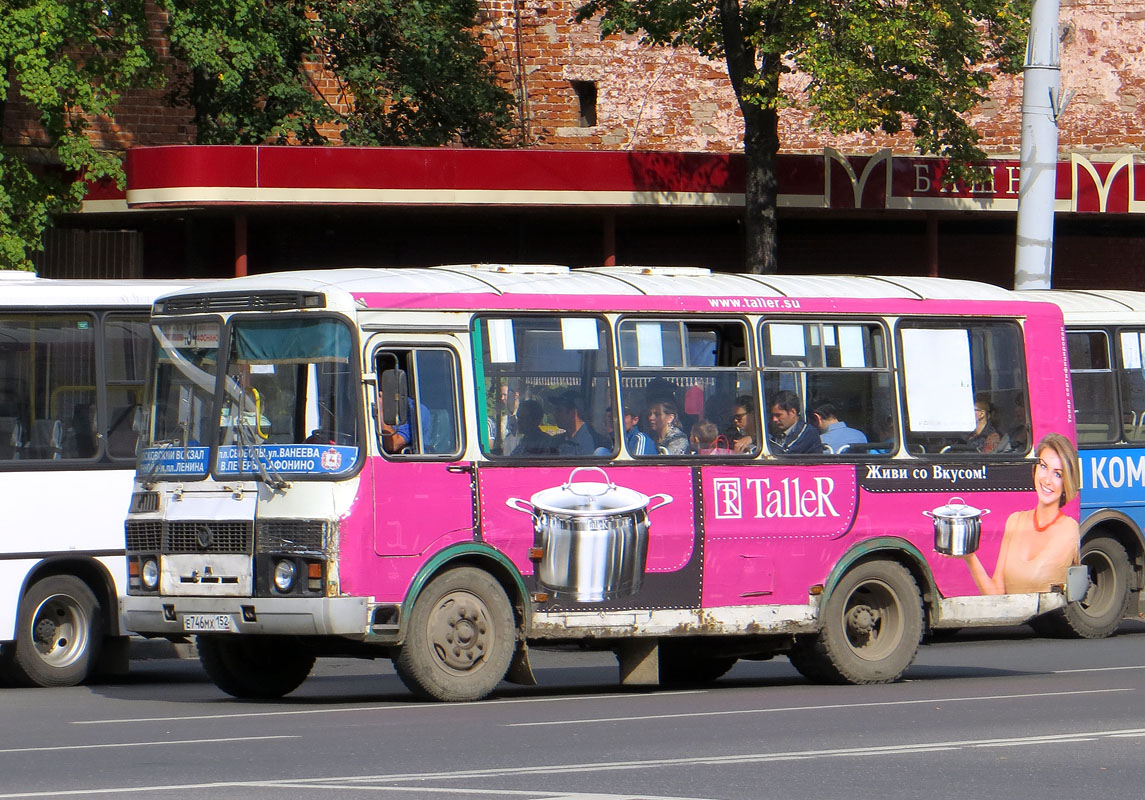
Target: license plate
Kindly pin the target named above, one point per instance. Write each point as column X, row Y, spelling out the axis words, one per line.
column 209, row 623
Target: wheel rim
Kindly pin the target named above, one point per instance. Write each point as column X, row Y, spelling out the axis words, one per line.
column 460, row 632
column 60, row 630
column 872, row 620
column 1099, row 597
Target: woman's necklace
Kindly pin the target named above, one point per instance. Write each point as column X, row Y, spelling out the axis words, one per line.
column 1041, row 528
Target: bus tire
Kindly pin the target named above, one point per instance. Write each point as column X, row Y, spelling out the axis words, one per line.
column 460, row 638
column 870, row 629
column 683, row 663
column 1100, row 613
column 254, row 667
column 59, row 633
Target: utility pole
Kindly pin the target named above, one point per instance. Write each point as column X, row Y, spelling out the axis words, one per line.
column 1037, row 189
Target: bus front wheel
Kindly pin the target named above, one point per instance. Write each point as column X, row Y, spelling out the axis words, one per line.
column 871, row 627
column 1100, row 612
column 460, row 638
column 59, row 632
column 254, row 667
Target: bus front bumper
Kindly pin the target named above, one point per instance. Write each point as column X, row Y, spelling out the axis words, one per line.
column 286, row 616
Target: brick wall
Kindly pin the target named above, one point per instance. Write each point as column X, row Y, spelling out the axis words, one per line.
column 665, row 99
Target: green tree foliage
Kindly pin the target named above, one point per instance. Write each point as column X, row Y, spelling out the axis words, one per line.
column 406, row 71
column 65, row 61
column 244, row 81
column 863, row 66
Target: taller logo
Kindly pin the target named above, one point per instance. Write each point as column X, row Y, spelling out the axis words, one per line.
column 763, row 501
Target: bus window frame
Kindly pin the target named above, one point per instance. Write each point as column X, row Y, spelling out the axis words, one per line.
column 99, row 459
column 963, row 323
column 747, row 367
column 1113, row 358
column 891, row 368
column 384, row 345
column 605, row 323
column 353, row 368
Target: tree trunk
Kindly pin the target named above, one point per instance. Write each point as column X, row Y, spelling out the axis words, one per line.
column 761, row 196
column 760, row 140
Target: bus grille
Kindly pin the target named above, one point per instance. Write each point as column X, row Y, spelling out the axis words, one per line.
column 144, row 502
column 145, row 536
column 240, row 301
column 220, row 537
column 189, row 537
column 291, row 536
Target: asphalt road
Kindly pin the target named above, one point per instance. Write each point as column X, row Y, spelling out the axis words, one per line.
column 979, row 716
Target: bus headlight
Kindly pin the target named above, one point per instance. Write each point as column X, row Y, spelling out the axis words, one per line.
column 149, row 574
column 284, row 574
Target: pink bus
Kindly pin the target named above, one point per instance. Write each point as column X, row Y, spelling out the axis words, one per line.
column 450, row 466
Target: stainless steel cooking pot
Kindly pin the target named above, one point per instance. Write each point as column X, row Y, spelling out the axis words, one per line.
column 957, row 527
column 590, row 537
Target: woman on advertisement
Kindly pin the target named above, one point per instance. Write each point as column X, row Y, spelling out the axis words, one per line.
column 1039, row 545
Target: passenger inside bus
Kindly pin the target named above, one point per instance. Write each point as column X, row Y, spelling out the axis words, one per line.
column 835, row 434
column 708, row 441
column 745, row 432
column 663, row 420
column 789, row 433
column 985, row 438
column 579, row 438
column 533, row 441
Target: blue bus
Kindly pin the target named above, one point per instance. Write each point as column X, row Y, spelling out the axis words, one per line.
column 1105, row 340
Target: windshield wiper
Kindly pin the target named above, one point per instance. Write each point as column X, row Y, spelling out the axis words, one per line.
column 250, row 441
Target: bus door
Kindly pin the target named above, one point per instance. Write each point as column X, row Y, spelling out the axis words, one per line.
column 423, row 490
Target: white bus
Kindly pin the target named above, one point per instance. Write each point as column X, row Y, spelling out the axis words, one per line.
column 72, row 364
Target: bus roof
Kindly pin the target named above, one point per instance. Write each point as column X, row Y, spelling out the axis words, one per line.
column 20, row 289
column 541, row 279
column 1094, row 306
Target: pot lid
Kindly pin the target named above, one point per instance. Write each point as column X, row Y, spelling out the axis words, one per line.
column 589, row 498
column 957, row 509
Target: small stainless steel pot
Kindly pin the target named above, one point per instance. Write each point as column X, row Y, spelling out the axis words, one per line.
column 590, row 537
column 957, row 527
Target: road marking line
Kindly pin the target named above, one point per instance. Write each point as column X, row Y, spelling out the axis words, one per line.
column 404, row 706
column 830, row 707
column 45, row 749
column 385, row 780
column 1094, row 669
column 536, row 794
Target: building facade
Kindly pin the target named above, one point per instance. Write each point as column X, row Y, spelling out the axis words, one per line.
column 852, row 204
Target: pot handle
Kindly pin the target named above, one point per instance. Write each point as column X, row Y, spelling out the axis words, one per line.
column 982, row 512
column 568, row 484
column 666, row 498
column 929, row 514
column 517, row 504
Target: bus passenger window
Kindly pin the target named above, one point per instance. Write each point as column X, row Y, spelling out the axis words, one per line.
column 832, row 377
column 965, row 388
column 679, row 376
column 1132, row 379
column 48, row 373
column 547, row 389
column 430, row 425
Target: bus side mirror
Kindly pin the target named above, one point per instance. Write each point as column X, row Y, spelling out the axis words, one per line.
column 395, row 397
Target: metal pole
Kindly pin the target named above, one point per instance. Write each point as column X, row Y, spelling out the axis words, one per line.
column 1037, row 190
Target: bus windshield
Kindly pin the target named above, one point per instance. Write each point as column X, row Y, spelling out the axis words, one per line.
column 287, row 403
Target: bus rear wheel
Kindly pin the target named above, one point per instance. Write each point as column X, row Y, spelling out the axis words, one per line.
column 1100, row 612
column 871, row 627
column 59, row 632
column 460, row 638
column 254, row 667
